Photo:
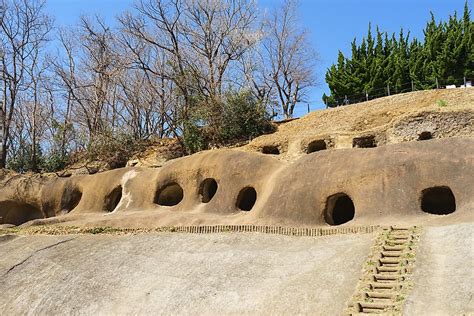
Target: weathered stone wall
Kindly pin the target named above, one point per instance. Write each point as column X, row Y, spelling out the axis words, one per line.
column 438, row 124
column 384, row 184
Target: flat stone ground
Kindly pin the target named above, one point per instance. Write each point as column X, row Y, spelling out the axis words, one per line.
column 171, row 273
column 444, row 272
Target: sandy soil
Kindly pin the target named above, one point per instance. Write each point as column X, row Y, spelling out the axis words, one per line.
column 444, row 272
column 362, row 118
column 180, row 274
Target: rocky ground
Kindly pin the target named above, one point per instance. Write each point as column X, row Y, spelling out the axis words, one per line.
column 172, row 273
column 92, row 270
column 444, row 274
column 225, row 273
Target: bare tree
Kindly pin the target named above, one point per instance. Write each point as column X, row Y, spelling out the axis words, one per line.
column 198, row 45
column 157, row 28
column 89, row 74
column 200, row 39
column 256, row 68
column 35, row 108
column 290, row 58
column 24, row 29
column 64, row 68
column 217, row 33
column 147, row 90
column 172, row 66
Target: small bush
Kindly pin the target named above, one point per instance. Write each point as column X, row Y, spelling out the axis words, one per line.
column 221, row 122
column 193, row 136
column 115, row 150
column 23, row 161
column 244, row 117
column 441, row 103
column 55, row 162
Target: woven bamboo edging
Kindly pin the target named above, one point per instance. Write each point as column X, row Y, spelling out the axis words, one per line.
column 207, row 229
column 276, row 230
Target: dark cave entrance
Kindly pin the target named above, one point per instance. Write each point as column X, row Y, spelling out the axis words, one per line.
column 316, row 145
column 270, row 150
column 208, row 189
column 246, row 199
column 170, row 194
column 112, row 199
column 339, row 209
column 364, row 142
column 425, row 136
column 438, row 200
column 17, row 213
column 70, row 199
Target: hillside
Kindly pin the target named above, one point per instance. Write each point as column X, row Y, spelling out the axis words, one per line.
column 144, row 168
column 445, row 113
column 350, row 146
column 358, row 209
column 393, row 119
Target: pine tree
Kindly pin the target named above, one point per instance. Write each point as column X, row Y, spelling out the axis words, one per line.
column 445, row 56
column 377, row 79
column 468, row 43
column 415, row 64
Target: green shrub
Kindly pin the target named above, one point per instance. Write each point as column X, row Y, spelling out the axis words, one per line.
column 441, row 103
column 215, row 122
column 193, row 136
column 56, row 161
column 22, row 160
column 244, row 117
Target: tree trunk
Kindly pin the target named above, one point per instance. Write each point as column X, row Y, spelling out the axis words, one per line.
column 3, row 149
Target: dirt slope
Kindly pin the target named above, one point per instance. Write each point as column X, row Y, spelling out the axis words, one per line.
column 392, row 119
column 402, row 181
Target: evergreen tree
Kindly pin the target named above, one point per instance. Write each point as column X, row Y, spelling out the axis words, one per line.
column 444, row 56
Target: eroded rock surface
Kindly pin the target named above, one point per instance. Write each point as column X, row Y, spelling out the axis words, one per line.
column 444, row 274
column 179, row 274
column 382, row 185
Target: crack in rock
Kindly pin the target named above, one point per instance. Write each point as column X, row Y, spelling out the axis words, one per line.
column 36, row 252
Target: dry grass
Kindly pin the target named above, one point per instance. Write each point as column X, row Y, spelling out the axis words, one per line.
column 363, row 117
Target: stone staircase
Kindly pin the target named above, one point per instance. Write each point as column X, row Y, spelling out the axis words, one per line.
column 386, row 278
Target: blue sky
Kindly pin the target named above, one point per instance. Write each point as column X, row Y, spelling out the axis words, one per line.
column 332, row 23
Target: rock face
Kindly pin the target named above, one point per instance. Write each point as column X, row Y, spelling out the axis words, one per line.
column 399, row 159
column 183, row 274
column 429, row 125
column 413, row 182
column 392, row 168
column 444, row 272
column 157, row 154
